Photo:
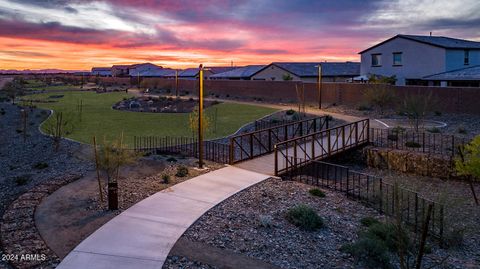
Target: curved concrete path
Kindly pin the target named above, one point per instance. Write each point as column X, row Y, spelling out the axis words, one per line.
column 143, row 235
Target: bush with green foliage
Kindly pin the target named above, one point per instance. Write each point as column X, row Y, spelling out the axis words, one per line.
column 369, row 221
column 22, row 180
column 412, row 144
column 462, row 130
column 40, row 165
column 182, row 171
column 165, row 178
column 305, row 218
column 468, row 163
column 377, row 243
column 290, row 112
column 316, row 192
column 433, row 130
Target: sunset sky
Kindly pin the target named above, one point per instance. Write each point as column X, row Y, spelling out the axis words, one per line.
column 38, row 34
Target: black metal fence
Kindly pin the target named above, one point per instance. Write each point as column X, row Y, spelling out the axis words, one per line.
column 257, row 143
column 430, row 143
column 269, row 123
column 188, row 146
column 372, row 191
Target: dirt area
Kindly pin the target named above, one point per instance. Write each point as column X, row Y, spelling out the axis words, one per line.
column 161, row 104
column 73, row 212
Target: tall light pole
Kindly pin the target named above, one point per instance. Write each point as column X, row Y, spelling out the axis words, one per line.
column 200, row 117
column 319, row 86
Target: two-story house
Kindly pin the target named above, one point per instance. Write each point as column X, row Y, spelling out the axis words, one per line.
column 418, row 60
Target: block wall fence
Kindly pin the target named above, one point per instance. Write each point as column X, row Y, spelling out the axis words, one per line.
column 447, row 99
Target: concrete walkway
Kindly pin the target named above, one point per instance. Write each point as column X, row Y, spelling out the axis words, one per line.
column 143, row 235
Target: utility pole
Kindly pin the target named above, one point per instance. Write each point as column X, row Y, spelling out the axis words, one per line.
column 200, row 117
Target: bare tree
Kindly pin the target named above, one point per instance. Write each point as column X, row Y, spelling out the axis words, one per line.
column 417, row 107
column 57, row 127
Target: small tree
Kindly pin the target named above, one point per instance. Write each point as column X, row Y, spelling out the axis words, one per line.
column 468, row 163
column 57, row 127
column 287, row 77
column 416, row 107
column 380, row 96
column 13, row 89
column 193, row 121
column 110, row 157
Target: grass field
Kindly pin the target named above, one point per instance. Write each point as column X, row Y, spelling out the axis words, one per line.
column 99, row 119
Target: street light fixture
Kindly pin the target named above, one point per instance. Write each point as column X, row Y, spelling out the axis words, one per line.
column 319, row 85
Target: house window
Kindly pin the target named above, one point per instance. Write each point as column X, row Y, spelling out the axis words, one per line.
column 397, row 58
column 466, row 57
column 376, row 59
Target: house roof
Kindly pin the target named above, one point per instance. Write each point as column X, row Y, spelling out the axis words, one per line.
column 329, row 69
column 142, row 64
column 240, row 72
column 101, row 68
column 437, row 41
column 189, row 72
column 165, row 72
column 469, row 73
column 120, row 66
column 220, row 69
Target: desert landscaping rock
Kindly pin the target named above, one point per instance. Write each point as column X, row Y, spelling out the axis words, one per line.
column 19, row 235
column 240, row 224
column 17, row 176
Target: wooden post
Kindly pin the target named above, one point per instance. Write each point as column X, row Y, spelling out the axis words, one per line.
column 276, row 159
column 231, row 151
column 96, row 168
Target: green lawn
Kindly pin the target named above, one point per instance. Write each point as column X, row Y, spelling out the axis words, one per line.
column 99, row 119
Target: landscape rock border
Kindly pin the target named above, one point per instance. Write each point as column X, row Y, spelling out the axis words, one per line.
column 20, row 238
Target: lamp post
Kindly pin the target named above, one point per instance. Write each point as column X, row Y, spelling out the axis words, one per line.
column 200, row 117
column 319, row 86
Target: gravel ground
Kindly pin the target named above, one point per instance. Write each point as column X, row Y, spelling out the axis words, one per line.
column 18, row 158
column 459, row 205
column 235, row 225
column 174, row 262
column 470, row 124
column 138, row 185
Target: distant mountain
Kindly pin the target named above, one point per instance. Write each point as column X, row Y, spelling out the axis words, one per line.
column 39, row 71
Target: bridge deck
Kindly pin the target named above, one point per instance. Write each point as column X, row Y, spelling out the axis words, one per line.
column 266, row 164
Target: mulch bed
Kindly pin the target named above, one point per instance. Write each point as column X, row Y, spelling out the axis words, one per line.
column 161, row 104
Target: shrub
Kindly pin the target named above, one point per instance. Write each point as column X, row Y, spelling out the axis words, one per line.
column 433, row 130
column 40, row 165
column 369, row 251
column 437, row 113
column 182, row 171
column 454, row 238
column 462, row 130
column 22, row 180
column 19, row 131
column 215, row 102
column 304, row 217
column 165, row 178
column 2, row 111
column 290, row 112
column 413, row 144
column 392, row 137
column 364, row 108
column 316, row 192
column 265, row 221
column 368, row 221
column 228, row 95
column 172, row 160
